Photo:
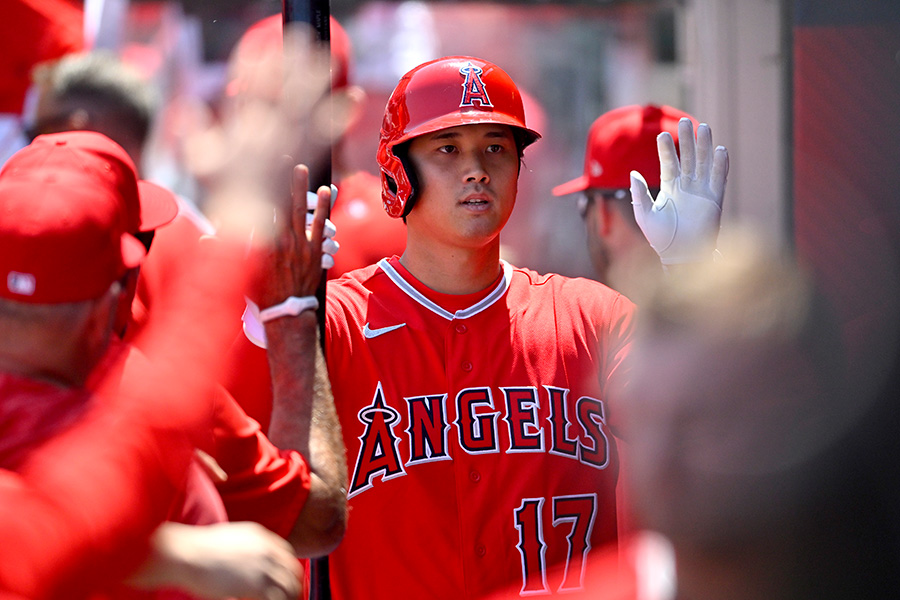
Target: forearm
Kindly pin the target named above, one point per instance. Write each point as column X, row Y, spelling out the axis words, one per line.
column 304, row 419
column 225, row 560
column 291, row 344
column 164, row 567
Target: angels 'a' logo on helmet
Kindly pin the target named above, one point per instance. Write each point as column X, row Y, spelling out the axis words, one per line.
column 473, row 87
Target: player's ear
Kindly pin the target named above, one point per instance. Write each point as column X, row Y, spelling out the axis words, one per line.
column 100, row 319
column 604, row 215
column 124, row 295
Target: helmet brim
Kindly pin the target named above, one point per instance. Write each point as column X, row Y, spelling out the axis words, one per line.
column 474, row 117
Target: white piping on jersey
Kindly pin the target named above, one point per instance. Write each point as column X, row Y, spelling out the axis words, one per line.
column 464, row 313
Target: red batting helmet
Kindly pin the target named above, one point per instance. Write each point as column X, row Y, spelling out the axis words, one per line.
column 624, row 140
column 450, row 91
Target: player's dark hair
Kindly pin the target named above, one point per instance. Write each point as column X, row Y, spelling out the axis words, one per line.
column 522, row 139
column 401, row 151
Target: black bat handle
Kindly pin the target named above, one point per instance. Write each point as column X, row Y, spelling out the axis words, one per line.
column 316, row 13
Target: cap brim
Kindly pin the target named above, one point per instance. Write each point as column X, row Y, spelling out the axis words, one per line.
column 579, row 184
column 158, row 205
column 133, row 251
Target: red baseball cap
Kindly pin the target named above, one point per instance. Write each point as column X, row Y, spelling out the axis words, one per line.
column 266, row 36
column 147, row 205
column 65, row 227
column 624, row 140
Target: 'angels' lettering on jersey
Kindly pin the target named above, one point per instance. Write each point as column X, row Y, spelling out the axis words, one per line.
column 477, row 425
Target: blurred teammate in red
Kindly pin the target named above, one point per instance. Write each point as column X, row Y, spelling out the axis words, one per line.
column 280, row 489
column 366, row 234
column 31, row 32
column 96, row 91
column 67, row 247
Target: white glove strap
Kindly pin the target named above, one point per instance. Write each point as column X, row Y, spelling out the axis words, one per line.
column 291, row 307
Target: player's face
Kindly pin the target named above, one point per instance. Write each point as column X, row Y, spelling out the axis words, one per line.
column 597, row 246
column 467, row 184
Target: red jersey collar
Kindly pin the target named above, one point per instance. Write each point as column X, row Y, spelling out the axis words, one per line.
column 449, row 306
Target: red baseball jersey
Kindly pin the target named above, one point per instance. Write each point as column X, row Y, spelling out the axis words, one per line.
column 70, row 534
column 265, row 484
column 477, row 432
column 640, row 567
column 171, row 244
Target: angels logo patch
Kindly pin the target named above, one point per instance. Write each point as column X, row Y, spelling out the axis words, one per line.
column 473, row 87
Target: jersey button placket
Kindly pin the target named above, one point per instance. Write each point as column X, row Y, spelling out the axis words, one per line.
column 460, row 328
column 460, row 349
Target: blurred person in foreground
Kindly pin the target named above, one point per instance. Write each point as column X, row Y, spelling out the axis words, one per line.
column 366, row 233
column 749, row 451
column 67, row 246
column 287, row 489
column 31, row 32
column 756, row 473
column 97, row 91
column 618, row 142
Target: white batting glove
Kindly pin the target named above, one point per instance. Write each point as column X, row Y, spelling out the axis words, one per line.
column 329, row 245
column 682, row 224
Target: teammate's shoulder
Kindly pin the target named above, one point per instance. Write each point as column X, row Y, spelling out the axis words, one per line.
column 556, row 281
column 189, row 211
column 571, row 295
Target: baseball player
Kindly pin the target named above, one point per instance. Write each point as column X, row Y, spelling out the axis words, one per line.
column 366, row 233
column 97, row 92
column 474, row 396
column 738, row 423
column 618, row 142
column 70, row 205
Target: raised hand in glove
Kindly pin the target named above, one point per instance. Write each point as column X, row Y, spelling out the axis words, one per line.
column 330, row 246
column 682, row 224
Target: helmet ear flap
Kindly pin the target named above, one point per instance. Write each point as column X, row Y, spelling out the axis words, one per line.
column 398, row 181
column 401, row 151
column 394, row 183
column 391, row 184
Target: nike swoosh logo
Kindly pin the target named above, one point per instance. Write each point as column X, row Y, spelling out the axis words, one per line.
column 372, row 333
